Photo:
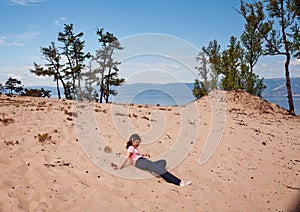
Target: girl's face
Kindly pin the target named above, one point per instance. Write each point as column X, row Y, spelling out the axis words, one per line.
column 135, row 144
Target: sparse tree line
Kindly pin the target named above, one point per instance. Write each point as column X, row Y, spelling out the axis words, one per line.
column 14, row 86
column 271, row 28
column 67, row 65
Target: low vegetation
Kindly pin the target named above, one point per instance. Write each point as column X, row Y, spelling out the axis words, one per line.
column 7, row 121
column 43, row 137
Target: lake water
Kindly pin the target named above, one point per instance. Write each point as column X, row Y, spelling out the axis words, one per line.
column 163, row 99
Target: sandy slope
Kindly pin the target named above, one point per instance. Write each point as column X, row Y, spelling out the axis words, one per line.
column 240, row 152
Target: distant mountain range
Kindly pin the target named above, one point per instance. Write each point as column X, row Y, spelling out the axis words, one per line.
column 275, row 87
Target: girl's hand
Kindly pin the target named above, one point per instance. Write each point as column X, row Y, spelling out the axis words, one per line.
column 146, row 155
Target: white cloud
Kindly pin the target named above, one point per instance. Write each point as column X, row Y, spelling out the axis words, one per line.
column 23, row 73
column 2, row 40
column 14, row 72
column 24, row 2
column 59, row 21
column 9, row 41
column 295, row 62
column 273, row 67
column 17, row 39
column 15, row 76
column 263, row 65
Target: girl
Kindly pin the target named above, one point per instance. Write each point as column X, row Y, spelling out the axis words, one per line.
column 158, row 167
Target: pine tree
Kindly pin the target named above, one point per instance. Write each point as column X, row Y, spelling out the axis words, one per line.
column 252, row 40
column 231, row 61
column 73, row 51
column 14, row 85
column 54, row 68
column 108, row 68
column 280, row 33
column 232, row 67
column 90, row 78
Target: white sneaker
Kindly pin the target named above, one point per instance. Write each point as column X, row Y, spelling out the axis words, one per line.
column 183, row 183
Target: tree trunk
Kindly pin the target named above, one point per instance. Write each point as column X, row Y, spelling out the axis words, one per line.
column 288, row 85
column 79, row 89
column 107, row 85
column 58, row 90
column 101, row 89
column 109, row 74
column 67, row 95
column 287, row 62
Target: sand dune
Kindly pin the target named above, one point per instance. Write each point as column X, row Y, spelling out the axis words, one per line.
column 240, row 152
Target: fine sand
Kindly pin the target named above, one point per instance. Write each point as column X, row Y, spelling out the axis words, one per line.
column 240, row 152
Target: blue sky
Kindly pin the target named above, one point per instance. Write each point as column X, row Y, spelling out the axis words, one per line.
column 28, row 25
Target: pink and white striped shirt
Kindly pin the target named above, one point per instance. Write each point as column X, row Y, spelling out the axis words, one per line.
column 134, row 154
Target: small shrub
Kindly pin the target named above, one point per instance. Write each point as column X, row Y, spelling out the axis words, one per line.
column 115, row 166
column 42, row 104
column 72, row 114
column 121, row 114
column 37, row 93
column 107, row 149
column 11, row 143
column 144, row 117
column 7, row 121
column 81, row 106
column 43, row 137
column 68, row 113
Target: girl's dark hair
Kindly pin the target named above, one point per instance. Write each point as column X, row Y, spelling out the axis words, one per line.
column 129, row 143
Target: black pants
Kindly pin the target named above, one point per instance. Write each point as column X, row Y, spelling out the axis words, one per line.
column 157, row 167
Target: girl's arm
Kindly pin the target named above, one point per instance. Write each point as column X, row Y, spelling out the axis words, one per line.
column 125, row 160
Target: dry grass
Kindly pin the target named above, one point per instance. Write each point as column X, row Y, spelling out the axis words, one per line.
column 43, row 137
column 7, row 121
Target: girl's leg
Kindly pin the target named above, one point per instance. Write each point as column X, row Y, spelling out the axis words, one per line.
column 145, row 164
column 162, row 163
column 170, row 178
